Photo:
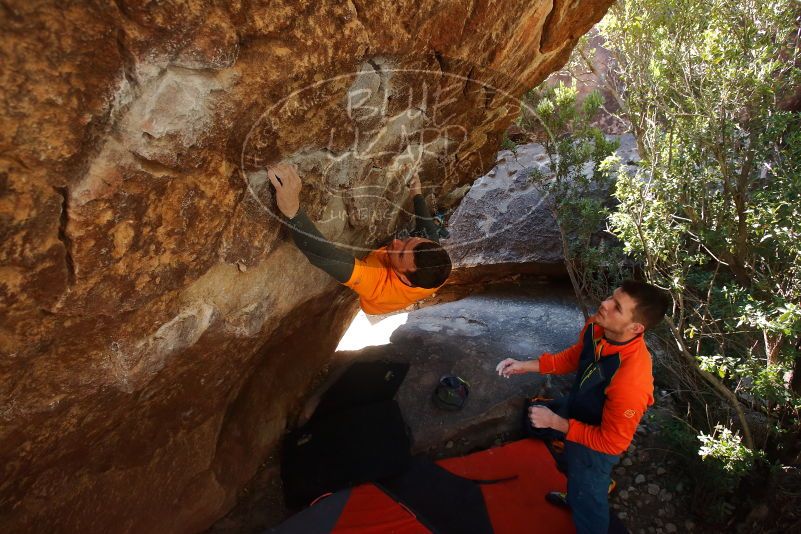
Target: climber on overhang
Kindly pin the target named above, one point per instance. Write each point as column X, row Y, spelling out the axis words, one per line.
column 386, row 280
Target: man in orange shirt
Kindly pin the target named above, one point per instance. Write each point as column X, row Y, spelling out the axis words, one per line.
column 389, row 278
column 613, row 388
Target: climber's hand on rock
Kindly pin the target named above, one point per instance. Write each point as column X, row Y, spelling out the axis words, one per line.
column 287, row 185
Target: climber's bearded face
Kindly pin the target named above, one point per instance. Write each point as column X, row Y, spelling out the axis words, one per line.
column 401, row 255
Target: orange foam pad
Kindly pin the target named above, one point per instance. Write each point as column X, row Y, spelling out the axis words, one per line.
column 517, row 506
column 514, row 506
column 371, row 511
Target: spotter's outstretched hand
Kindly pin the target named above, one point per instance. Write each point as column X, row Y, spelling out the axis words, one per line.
column 510, row 366
column 287, row 186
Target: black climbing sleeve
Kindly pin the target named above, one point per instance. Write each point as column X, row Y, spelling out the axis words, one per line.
column 424, row 220
column 320, row 252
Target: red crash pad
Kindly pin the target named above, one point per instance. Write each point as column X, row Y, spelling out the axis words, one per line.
column 514, row 506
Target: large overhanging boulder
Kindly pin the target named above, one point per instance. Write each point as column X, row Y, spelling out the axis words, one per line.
column 157, row 328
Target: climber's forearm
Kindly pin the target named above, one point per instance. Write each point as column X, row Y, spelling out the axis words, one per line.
column 423, row 219
column 320, row 252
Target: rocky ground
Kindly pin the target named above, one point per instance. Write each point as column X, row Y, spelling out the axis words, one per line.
column 468, row 337
column 653, row 494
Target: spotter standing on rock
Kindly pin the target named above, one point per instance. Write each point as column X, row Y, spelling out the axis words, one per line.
column 389, row 278
column 613, row 388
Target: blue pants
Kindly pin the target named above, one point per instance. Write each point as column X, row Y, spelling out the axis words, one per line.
column 588, row 477
column 588, row 473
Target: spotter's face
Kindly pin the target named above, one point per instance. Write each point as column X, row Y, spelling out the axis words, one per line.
column 616, row 315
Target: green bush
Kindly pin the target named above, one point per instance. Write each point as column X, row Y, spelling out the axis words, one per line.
column 716, row 463
column 714, row 212
column 508, row 144
column 582, row 167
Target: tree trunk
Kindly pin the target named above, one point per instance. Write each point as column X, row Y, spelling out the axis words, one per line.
column 795, row 377
column 569, row 266
column 773, row 345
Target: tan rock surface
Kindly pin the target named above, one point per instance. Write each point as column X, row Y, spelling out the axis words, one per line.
column 156, row 326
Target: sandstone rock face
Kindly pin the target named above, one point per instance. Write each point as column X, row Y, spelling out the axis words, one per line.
column 156, row 326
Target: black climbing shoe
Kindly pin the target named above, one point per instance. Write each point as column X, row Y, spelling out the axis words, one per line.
column 557, row 498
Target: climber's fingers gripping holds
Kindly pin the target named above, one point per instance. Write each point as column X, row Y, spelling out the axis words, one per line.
column 287, row 185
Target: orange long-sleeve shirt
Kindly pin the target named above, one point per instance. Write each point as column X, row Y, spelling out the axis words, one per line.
column 379, row 288
column 627, row 396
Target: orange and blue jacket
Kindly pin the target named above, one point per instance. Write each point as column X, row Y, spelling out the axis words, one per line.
column 614, row 386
